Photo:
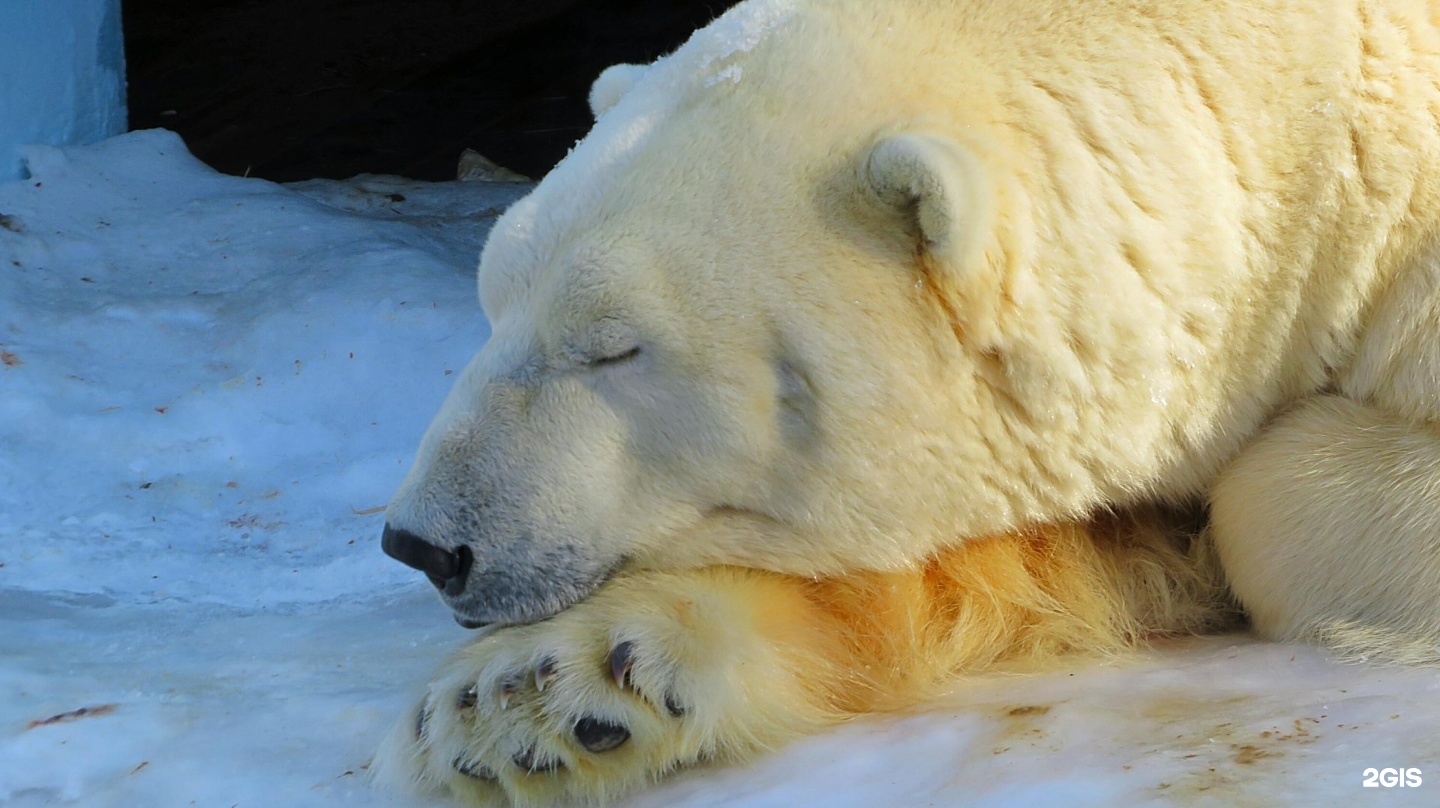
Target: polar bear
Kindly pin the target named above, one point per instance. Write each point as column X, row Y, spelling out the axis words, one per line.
column 862, row 343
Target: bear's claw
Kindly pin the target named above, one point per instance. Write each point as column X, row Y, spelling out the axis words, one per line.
column 622, row 657
column 545, row 673
column 467, row 698
column 508, row 688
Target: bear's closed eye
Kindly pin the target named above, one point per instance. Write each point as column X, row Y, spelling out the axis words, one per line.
column 614, row 359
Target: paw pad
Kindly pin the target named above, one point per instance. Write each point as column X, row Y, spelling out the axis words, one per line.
column 528, row 761
column 472, row 769
column 600, row 736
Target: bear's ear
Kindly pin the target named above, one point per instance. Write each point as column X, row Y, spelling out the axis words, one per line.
column 938, row 186
column 612, row 84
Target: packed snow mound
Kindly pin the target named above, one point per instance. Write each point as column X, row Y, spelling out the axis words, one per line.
column 218, row 371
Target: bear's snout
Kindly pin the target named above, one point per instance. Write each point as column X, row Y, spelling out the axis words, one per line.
column 446, row 570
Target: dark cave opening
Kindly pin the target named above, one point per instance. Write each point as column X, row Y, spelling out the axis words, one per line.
column 295, row 89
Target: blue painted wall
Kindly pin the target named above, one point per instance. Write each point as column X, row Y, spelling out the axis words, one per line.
column 62, row 75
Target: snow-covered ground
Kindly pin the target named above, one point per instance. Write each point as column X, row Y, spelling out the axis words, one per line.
column 210, row 384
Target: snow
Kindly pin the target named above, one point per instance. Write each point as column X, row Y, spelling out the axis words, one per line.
column 210, row 382
column 62, row 74
column 740, row 29
column 731, row 73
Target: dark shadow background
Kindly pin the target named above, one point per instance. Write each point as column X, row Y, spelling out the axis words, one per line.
column 295, row 89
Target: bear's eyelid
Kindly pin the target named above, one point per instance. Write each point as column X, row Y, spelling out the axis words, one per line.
column 615, row 359
column 610, row 341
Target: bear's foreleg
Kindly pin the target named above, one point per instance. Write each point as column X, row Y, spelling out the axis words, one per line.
column 660, row 670
column 1328, row 527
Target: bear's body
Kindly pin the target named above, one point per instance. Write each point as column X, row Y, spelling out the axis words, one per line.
column 840, row 287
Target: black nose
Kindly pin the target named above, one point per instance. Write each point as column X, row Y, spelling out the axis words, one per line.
column 446, row 570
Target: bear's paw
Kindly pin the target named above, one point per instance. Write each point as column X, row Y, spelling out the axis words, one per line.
column 652, row 673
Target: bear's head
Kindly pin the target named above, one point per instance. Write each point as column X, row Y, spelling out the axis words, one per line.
column 751, row 319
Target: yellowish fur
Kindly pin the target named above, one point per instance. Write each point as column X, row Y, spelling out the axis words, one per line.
column 1020, row 602
column 757, row 658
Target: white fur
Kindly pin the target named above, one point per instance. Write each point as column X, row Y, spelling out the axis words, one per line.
column 1329, row 529
column 612, row 84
